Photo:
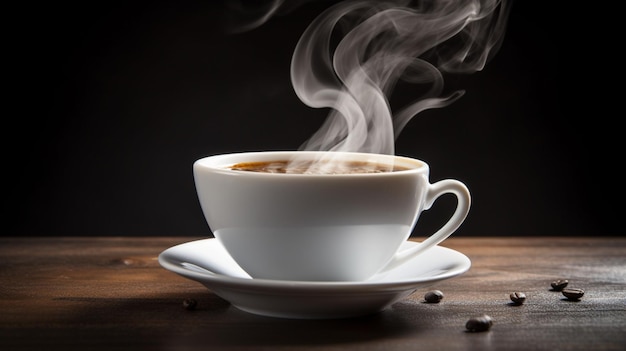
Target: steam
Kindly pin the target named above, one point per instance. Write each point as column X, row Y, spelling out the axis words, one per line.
column 352, row 55
column 254, row 14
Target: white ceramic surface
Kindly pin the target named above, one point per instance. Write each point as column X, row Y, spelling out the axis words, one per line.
column 320, row 227
column 207, row 262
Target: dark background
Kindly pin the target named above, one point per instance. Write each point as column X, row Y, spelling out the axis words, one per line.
column 111, row 103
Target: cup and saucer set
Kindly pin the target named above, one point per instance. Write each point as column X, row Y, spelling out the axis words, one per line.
column 321, row 244
column 207, row 262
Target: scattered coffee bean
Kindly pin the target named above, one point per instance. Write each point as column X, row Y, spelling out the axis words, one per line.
column 433, row 296
column 573, row 293
column 559, row 284
column 479, row 324
column 190, row 304
column 518, row 298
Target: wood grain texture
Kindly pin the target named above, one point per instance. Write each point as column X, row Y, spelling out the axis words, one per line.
column 104, row 293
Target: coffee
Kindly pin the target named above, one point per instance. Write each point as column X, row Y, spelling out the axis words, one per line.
column 479, row 324
column 311, row 167
column 559, row 284
column 518, row 298
column 573, row 294
column 434, row 296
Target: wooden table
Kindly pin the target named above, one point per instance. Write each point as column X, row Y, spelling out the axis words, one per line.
column 95, row 293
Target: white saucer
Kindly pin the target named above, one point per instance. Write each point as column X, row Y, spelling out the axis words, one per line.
column 207, row 262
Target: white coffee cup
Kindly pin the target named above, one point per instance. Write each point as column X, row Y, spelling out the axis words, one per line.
column 320, row 227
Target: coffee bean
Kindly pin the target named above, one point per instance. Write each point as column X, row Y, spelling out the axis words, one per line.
column 573, row 293
column 518, row 298
column 190, row 304
column 559, row 284
column 433, row 296
column 479, row 323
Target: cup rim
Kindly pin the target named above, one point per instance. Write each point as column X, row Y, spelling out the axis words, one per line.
column 220, row 162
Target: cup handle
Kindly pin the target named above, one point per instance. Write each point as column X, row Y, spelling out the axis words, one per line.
column 447, row 186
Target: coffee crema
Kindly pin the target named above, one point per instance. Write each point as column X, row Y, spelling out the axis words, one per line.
column 319, row 167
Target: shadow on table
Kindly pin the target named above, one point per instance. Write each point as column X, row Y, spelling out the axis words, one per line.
column 164, row 323
column 251, row 330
